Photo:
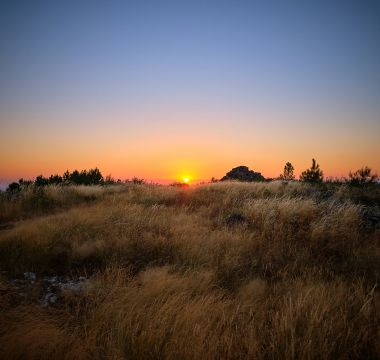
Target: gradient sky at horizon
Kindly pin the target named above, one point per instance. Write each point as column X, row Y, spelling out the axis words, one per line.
column 164, row 89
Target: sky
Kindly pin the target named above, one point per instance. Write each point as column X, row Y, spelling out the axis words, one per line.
column 167, row 89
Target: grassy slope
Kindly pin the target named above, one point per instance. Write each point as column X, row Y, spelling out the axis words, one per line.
column 227, row 270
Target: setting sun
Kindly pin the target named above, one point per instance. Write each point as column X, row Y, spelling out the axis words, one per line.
column 186, row 180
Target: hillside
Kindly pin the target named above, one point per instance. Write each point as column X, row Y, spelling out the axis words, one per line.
column 220, row 271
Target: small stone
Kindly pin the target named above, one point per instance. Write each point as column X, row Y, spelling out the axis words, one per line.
column 30, row 276
column 235, row 219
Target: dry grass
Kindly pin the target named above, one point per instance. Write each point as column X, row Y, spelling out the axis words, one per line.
column 221, row 271
column 33, row 201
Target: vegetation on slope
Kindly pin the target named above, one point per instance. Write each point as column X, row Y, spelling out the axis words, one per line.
column 225, row 270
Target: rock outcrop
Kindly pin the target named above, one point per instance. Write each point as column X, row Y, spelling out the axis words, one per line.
column 242, row 173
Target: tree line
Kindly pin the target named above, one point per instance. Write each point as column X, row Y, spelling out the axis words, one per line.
column 76, row 177
column 312, row 175
column 315, row 175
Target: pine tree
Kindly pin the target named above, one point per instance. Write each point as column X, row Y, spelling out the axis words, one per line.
column 312, row 175
column 288, row 172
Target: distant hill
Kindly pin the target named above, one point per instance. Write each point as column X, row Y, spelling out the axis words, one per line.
column 242, row 173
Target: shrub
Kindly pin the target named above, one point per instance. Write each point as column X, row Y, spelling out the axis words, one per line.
column 109, row 180
column 135, row 180
column 84, row 177
column 362, row 176
column 25, row 183
column 312, row 175
column 41, row 181
column 55, row 179
column 13, row 187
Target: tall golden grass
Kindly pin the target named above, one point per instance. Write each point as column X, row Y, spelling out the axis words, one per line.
column 220, row 271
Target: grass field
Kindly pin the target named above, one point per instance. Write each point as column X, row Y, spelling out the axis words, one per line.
column 220, row 271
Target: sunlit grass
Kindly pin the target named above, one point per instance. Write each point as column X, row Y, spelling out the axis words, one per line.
column 225, row 270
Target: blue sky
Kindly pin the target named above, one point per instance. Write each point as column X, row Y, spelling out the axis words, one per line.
column 275, row 67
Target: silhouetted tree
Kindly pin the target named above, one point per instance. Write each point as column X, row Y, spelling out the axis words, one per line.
column 288, row 173
column 66, row 176
column 362, row 176
column 75, row 177
column 94, row 177
column 84, row 177
column 41, row 181
column 25, row 183
column 55, row 179
column 312, row 175
column 13, row 187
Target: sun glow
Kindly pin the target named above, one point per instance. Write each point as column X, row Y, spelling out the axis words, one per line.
column 185, row 180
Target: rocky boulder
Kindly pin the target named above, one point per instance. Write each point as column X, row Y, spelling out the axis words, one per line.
column 242, row 173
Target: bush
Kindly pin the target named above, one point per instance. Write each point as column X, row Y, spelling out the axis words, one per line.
column 84, row 177
column 362, row 176
column 13, row 187
column 312, row 175
column 135, row 180
column 41, row 181
column 55, row 179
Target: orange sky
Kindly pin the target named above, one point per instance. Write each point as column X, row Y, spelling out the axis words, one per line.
column 200, row 145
